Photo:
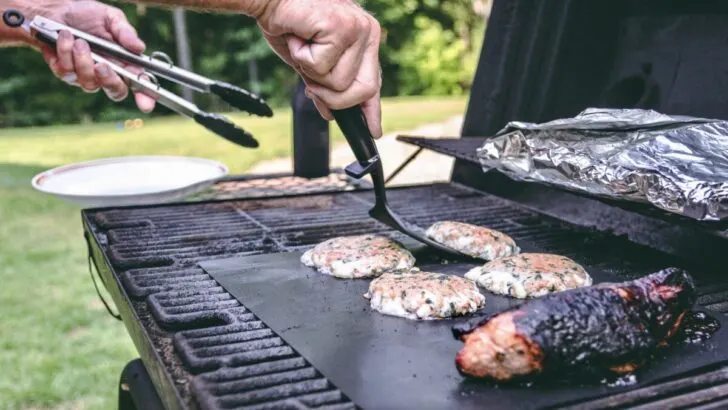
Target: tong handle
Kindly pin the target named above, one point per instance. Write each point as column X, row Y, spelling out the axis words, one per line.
column 354, row 126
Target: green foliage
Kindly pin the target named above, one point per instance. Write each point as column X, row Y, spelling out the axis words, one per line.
column 431, row 63
column 429, row 48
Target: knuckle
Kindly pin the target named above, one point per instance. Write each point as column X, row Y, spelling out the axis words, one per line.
column 343, row 81
column 79, row 46
column 369, row 93
column 314, row 69
column 64, row 45
column 369, row 90
column 376, row 30
column 364, row 23
column 115, row 15
column 326, row 25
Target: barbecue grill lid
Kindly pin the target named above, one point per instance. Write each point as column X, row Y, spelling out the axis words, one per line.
column 133, row 180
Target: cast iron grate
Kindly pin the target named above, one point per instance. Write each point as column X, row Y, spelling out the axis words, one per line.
column 223, row 357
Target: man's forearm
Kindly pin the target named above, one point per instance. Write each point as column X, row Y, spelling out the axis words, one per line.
column 31, row 8
column 254, row 8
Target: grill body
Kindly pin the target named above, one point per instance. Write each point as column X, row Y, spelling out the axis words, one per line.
column 204, row 350
column 541, row 60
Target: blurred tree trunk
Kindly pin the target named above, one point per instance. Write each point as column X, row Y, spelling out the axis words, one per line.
column 183, row 46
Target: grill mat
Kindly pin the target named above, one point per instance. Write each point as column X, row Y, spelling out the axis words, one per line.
column 381, row 361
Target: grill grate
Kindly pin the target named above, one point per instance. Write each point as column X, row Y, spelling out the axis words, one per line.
column 223, row 357
column 269, row 186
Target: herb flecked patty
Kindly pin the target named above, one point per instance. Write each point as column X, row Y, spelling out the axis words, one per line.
column 424, row 295
column 530, row 275
column 358, row 256
column 473, row 240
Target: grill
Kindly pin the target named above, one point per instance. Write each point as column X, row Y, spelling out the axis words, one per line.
column 210, row 352
column 261, row 186
column 201, row 349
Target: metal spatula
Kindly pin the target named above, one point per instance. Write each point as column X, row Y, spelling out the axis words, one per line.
column 354, row 126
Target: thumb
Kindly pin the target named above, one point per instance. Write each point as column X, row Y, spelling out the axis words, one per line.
column 299, row 50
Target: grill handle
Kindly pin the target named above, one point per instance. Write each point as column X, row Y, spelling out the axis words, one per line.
column 354, row 126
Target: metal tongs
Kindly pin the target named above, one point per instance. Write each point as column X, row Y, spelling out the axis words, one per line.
column 354, row 127
column 46, row 31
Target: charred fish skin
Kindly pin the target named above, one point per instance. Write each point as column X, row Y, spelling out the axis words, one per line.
column 610, row 327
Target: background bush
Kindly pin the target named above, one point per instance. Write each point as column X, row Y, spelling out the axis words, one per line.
column 429, row 48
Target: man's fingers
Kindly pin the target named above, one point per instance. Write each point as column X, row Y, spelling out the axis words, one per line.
column 111, row 83
column 364, row 90
column 316, row 59
column 84, row 66
column 123, row 32
column 320, row 107
column 144, row 102
column 372, row 109
column 64, row 49
column 50, row 57
column 365, row 86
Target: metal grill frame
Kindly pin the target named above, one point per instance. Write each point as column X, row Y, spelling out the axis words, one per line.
column 141, row 338
column 161, row 378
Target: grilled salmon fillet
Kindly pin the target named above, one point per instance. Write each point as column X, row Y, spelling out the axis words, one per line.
column 473, row 240
column 358, row 256
column 424, row 295
column 530, row 275
column 605, row 328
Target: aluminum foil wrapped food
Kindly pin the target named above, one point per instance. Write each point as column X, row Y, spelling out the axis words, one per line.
column 676, row 163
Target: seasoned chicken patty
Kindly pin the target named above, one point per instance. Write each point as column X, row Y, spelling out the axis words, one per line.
column 530, row 275
column 358, row 256
column 473, row 240
column 421, row 295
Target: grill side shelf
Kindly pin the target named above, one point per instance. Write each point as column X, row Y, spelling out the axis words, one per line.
column 460, row 148
column 465, row 149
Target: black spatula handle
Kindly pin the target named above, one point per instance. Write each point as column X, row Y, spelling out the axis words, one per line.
column 354, row 126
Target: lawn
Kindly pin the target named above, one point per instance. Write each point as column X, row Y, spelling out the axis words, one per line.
column 58, row 347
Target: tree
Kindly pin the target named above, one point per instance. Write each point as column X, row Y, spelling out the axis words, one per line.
column 428, row 47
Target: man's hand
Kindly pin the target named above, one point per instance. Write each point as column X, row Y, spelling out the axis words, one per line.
column 71, row 60
column 334, row 46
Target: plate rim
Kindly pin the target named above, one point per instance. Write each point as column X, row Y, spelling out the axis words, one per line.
column 37, row 181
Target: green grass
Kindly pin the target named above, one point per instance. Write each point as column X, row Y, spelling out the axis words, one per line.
column 58, row 347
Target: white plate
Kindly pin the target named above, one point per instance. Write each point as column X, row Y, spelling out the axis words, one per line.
column 126, row 181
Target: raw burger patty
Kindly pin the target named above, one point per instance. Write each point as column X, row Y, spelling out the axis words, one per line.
column 358, row 256
column 476, row 241
column 424, row 295
column 530, row 275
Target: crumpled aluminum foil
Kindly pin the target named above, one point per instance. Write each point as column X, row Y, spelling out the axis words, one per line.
column 676, row 163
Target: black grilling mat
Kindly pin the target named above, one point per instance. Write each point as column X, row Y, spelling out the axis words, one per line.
column 386, row 362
